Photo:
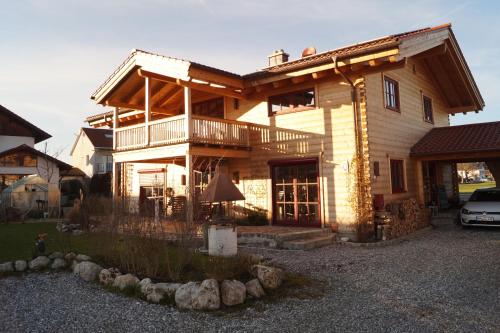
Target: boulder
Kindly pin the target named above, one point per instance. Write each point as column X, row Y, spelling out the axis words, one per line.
column 233, row 292
column 73, row 264
column 269, row 277
column 58, row 263
column 70, row 256
column 77, row 232
column 39, row 263
column 146, row 286
column 158, row 291
column 6, row 267
column 56, row 255
column 254, row 288
column 87, row 270
column 20, row 265
column 123, row 281
column 185, row 294
column 83, row 257
column 108, row 276
column 198, row 296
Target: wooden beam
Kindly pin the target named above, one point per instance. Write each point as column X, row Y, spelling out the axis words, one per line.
column 299, row 79
column 319, row 75
column 168, row 95
column 135, row 107
column 392, row 52
column 218, row 78
column 436, row 51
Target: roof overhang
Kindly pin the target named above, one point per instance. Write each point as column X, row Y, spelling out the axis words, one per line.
column 463, row 143
column 168, row 70
column 27, row 149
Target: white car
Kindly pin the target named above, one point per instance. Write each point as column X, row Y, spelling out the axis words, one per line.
column 482, row 209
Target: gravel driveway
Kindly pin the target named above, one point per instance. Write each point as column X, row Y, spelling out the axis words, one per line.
column 446, row 279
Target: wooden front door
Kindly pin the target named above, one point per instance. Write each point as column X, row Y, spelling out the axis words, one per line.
column 295, row 186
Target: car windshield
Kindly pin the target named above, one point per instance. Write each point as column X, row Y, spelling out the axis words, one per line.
column 492, row 195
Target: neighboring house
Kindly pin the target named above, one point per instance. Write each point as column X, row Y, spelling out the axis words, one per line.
column 19, row 158
column 92, row 151
column 289, row 133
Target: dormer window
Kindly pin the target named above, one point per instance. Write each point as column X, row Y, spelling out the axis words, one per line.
column 298, row 100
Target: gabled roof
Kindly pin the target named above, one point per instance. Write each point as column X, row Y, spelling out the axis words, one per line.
column 363, row 47
column 27, row 149
column 436, row 46
column 100, row 138
column 463, row 139
column 37, row 133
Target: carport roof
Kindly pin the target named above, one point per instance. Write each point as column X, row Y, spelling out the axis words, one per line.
column 476, row 141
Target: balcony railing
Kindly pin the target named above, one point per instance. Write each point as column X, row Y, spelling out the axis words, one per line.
column 171, row 130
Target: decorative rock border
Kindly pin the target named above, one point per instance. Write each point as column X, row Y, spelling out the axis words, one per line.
column 205, row 295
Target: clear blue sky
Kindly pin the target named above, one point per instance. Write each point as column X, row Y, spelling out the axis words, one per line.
column 55, row 53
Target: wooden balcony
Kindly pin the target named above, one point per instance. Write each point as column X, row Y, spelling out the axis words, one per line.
column 172, row 130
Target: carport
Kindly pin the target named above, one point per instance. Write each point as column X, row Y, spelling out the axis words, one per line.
column 439, row 151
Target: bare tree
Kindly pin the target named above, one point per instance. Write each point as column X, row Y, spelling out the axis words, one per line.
column 46, row 168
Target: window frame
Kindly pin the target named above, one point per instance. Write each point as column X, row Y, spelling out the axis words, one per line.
column 293, row 109
column 402, row 188
column 424, row 97
column 397, row 108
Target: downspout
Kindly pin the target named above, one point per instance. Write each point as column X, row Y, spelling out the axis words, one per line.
column 354, row 101
column 357, row 130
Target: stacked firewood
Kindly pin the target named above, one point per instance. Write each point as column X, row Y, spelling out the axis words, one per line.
column 405, row 218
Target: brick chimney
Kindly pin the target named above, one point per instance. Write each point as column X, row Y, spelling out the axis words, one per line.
column 278, row 57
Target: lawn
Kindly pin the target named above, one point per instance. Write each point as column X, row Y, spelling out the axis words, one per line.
column 17, row 240
column 142, row 256
column 469, row 188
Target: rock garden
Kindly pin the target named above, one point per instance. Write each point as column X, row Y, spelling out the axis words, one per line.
column 208, row 294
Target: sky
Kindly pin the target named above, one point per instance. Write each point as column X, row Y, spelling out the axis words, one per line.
column 54, row 54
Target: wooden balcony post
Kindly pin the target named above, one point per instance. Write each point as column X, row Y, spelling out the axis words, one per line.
column 115, row 125
column 188, row 122
column 147, row 108
column 189, row 187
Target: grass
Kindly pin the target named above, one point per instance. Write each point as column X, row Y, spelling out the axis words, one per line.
column 469, row 188
column 17, row 241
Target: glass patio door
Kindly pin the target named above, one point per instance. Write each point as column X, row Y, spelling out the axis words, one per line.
column 296, row 193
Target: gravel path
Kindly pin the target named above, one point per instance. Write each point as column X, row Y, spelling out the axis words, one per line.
column 447, row 279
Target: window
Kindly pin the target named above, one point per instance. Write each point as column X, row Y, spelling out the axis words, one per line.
column 18, row 160
column 397, row 176
column 292, row 101
column 391, row 94
column 427, row 104
column 211, row 108
column 296, row 193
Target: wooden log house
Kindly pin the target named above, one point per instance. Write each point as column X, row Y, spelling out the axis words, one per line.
column 287, row 134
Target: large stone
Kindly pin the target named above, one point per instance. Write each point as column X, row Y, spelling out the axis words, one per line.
column 123, row 281
column 58, row 263
column 6, row 267
column 146, row 286
column 198, row 296
column 83, row 257
column 254, row 288
column 20, row 265
column 39, row 263
column 70, row 256
column 158, row 291
column 269, row 277
column 185, row 294
column 56, row 255
column 108, row 276
column 233, row 292
column 87, row 270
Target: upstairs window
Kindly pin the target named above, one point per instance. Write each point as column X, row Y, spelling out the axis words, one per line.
column 19, row 160
column 427, row 104
column 292, row 101
column 397, row 176
column 210, row 108
column 391, row 94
